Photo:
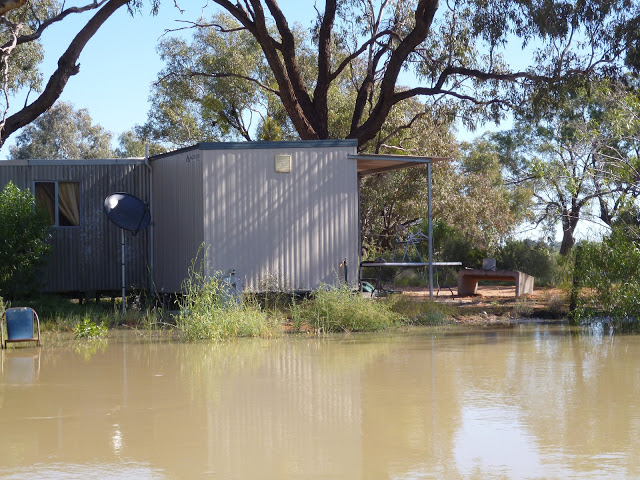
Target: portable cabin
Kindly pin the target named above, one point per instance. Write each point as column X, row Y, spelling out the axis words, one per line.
column 268, row 214
column 86, row 253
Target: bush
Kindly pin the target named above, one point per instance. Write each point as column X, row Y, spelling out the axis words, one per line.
column 24, row 231
column 342, row 310
column 450, row 245
column 534, row 258
column 607, row 281
column 88, row 329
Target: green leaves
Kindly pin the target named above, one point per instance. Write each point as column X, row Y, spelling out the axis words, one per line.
column 24, row 231
column 86, row 328
column 578, row 154
column 608, row 274
column 62, row 133
column 216, row 87
column 133, row 144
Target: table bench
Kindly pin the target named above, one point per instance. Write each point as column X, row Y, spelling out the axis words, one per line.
column 468, row 280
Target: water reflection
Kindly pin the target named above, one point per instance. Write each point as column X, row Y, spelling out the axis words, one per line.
column 543, row 402
column 22, row 366
column 92, row 471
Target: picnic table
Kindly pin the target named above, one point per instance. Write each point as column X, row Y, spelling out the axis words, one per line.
column 469, row 277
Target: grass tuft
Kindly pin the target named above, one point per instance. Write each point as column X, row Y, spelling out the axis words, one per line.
column 210, row 310
column 342, row 310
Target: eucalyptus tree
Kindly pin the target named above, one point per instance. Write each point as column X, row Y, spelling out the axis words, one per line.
column 62, row 133
column 133, row 143
column 470, row 194
column 22, row 24
column 455, row 49
column 400, row 197
column 580, row 157
column 191, row 102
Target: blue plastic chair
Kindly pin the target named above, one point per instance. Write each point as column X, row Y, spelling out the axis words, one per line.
column 20, row 325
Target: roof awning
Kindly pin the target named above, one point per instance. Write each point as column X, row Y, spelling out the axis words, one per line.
column 368, row 164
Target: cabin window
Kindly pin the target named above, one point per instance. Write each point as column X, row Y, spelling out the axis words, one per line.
column 61, row 200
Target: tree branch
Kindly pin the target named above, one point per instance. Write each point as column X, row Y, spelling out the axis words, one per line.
column 192, row 25
column 272, row 51
column 347, row 60
column 365, row 89
column 424, row 14
column 217, row 75
column 288, row 50
column 8, row 5
column 324, row 64
column 61, row 16
column 67, row 67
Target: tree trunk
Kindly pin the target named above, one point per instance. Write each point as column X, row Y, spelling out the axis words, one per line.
column 569, row 223
column 567, row 242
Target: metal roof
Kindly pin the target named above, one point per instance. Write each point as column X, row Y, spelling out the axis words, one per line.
column 368, row 164
column 260, row 145
column 74, row 162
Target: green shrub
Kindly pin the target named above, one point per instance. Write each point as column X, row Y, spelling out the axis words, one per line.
column 273, row 293
column 88, row 329
column 523, row 307
column 531, row 257
column 63, row 314
column 342, row 310
column 450, row 245
column 607, row 280
column 556, row 307
column 24, row 232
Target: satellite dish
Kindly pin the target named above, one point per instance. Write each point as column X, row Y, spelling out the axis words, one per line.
column 127, row 212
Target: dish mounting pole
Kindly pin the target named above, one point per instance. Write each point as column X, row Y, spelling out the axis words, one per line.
column 124, row 297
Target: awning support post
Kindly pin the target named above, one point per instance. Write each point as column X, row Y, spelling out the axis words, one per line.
column 430, row 231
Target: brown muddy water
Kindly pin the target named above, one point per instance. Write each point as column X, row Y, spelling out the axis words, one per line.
column 525, row 402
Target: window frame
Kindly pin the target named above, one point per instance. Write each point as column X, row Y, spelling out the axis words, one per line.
column 56, row 206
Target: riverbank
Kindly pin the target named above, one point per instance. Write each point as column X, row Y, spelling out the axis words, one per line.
column 497, row 304
column 493, row 305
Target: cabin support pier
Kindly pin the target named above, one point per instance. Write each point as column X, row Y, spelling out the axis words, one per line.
column 468, row 280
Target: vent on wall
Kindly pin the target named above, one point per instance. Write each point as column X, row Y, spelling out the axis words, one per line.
column 283, row 163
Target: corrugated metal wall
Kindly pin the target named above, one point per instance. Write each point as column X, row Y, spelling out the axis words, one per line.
column 88, row 258
column 288, row 229
column 178, row 218
column 279, row 229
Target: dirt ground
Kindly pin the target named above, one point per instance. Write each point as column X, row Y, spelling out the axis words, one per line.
column 498, row 304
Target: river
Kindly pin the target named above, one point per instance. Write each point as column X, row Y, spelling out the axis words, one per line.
column 535, row 401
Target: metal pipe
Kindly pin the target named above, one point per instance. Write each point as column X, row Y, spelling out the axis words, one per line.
column 151, row 239
column 124, row 297
column 359, row 253
column 430, row 231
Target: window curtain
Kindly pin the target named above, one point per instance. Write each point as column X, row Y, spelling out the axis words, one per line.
column 45, row 198
column 68, row 204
